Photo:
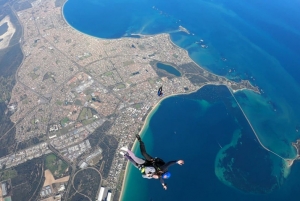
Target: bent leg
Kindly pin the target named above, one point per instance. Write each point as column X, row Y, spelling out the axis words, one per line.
column 131, row 160
column 136, row 159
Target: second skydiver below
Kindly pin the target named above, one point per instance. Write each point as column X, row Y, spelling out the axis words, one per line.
column 159, row 92
column 150, row 167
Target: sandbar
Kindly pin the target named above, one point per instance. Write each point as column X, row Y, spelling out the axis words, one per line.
column 6, row 37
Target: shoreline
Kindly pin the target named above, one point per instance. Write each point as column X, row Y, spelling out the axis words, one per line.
column 152, row 35
column 288, row 161
column 155, row 107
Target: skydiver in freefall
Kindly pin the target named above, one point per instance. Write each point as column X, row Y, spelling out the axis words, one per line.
column 159, row 92
column 150, row 167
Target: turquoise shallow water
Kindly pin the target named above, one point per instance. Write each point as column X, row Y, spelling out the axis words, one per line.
column 260, row 42
column 258, row 45
column 223, row 159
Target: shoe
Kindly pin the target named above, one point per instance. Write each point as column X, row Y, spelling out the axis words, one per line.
column 138, row 137
column 140, row 166
column 124, row 149
column 122, row 153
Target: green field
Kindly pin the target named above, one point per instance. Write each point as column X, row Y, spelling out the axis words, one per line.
column 109, row 73
column 86, row 113
column 8, row 174
column 64, row 121
column 87, row 121
column 7, row 199
column 121, row 86
column 55, row 165
column 88, row 91
column 77, row 102
column 58, row 102
column 137, row 106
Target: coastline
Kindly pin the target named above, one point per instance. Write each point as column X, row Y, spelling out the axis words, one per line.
column 169, row 40
column 155, row 107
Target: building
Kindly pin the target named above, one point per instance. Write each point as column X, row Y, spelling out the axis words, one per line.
column 83, row 165
column 4, row 189
column 108, row 196
column 46, row 191
column 102, row 194
column 61, row 188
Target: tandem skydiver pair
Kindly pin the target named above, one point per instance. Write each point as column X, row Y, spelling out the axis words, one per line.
column 150, row 167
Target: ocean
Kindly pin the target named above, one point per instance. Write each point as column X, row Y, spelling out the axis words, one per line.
column 223, row 159
column 254, row 40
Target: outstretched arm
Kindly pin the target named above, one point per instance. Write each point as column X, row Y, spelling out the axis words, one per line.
column 170, row 163
column 163, row 183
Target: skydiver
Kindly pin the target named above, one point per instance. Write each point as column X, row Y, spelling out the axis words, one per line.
column 148, row 171
column 159, row 92
column 161, row 168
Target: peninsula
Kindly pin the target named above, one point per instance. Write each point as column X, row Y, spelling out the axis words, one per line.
column 82, row 98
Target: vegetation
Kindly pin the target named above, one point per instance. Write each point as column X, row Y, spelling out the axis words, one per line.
column 59, row 102
column 109, row 73
column 99, row 134
column 8, row 174
column 87, row 121
column 78, row 197
column 88, row 91
column 77, row 102
column 28, row 182
column 87, row 182
column 33, row 75
column 57, row 166
column 64, row 121
column 71, row 193
column 137, row 105
column 48, row 75
column 121, row 86
column 30, row 142
column 86, row 113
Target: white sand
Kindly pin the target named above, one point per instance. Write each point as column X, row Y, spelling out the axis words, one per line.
column 7, row 36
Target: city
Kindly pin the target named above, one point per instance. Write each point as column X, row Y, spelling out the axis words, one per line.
column 71, row 85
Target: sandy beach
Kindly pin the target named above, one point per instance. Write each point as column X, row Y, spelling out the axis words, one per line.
column 6, row 37
column 289, row 162
column 155, row 107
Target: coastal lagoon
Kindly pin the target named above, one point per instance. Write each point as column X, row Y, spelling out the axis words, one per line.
column 253, row 40
column 169, row 69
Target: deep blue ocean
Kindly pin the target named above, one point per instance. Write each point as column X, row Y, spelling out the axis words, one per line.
column 223, row 159
column 261, row 42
